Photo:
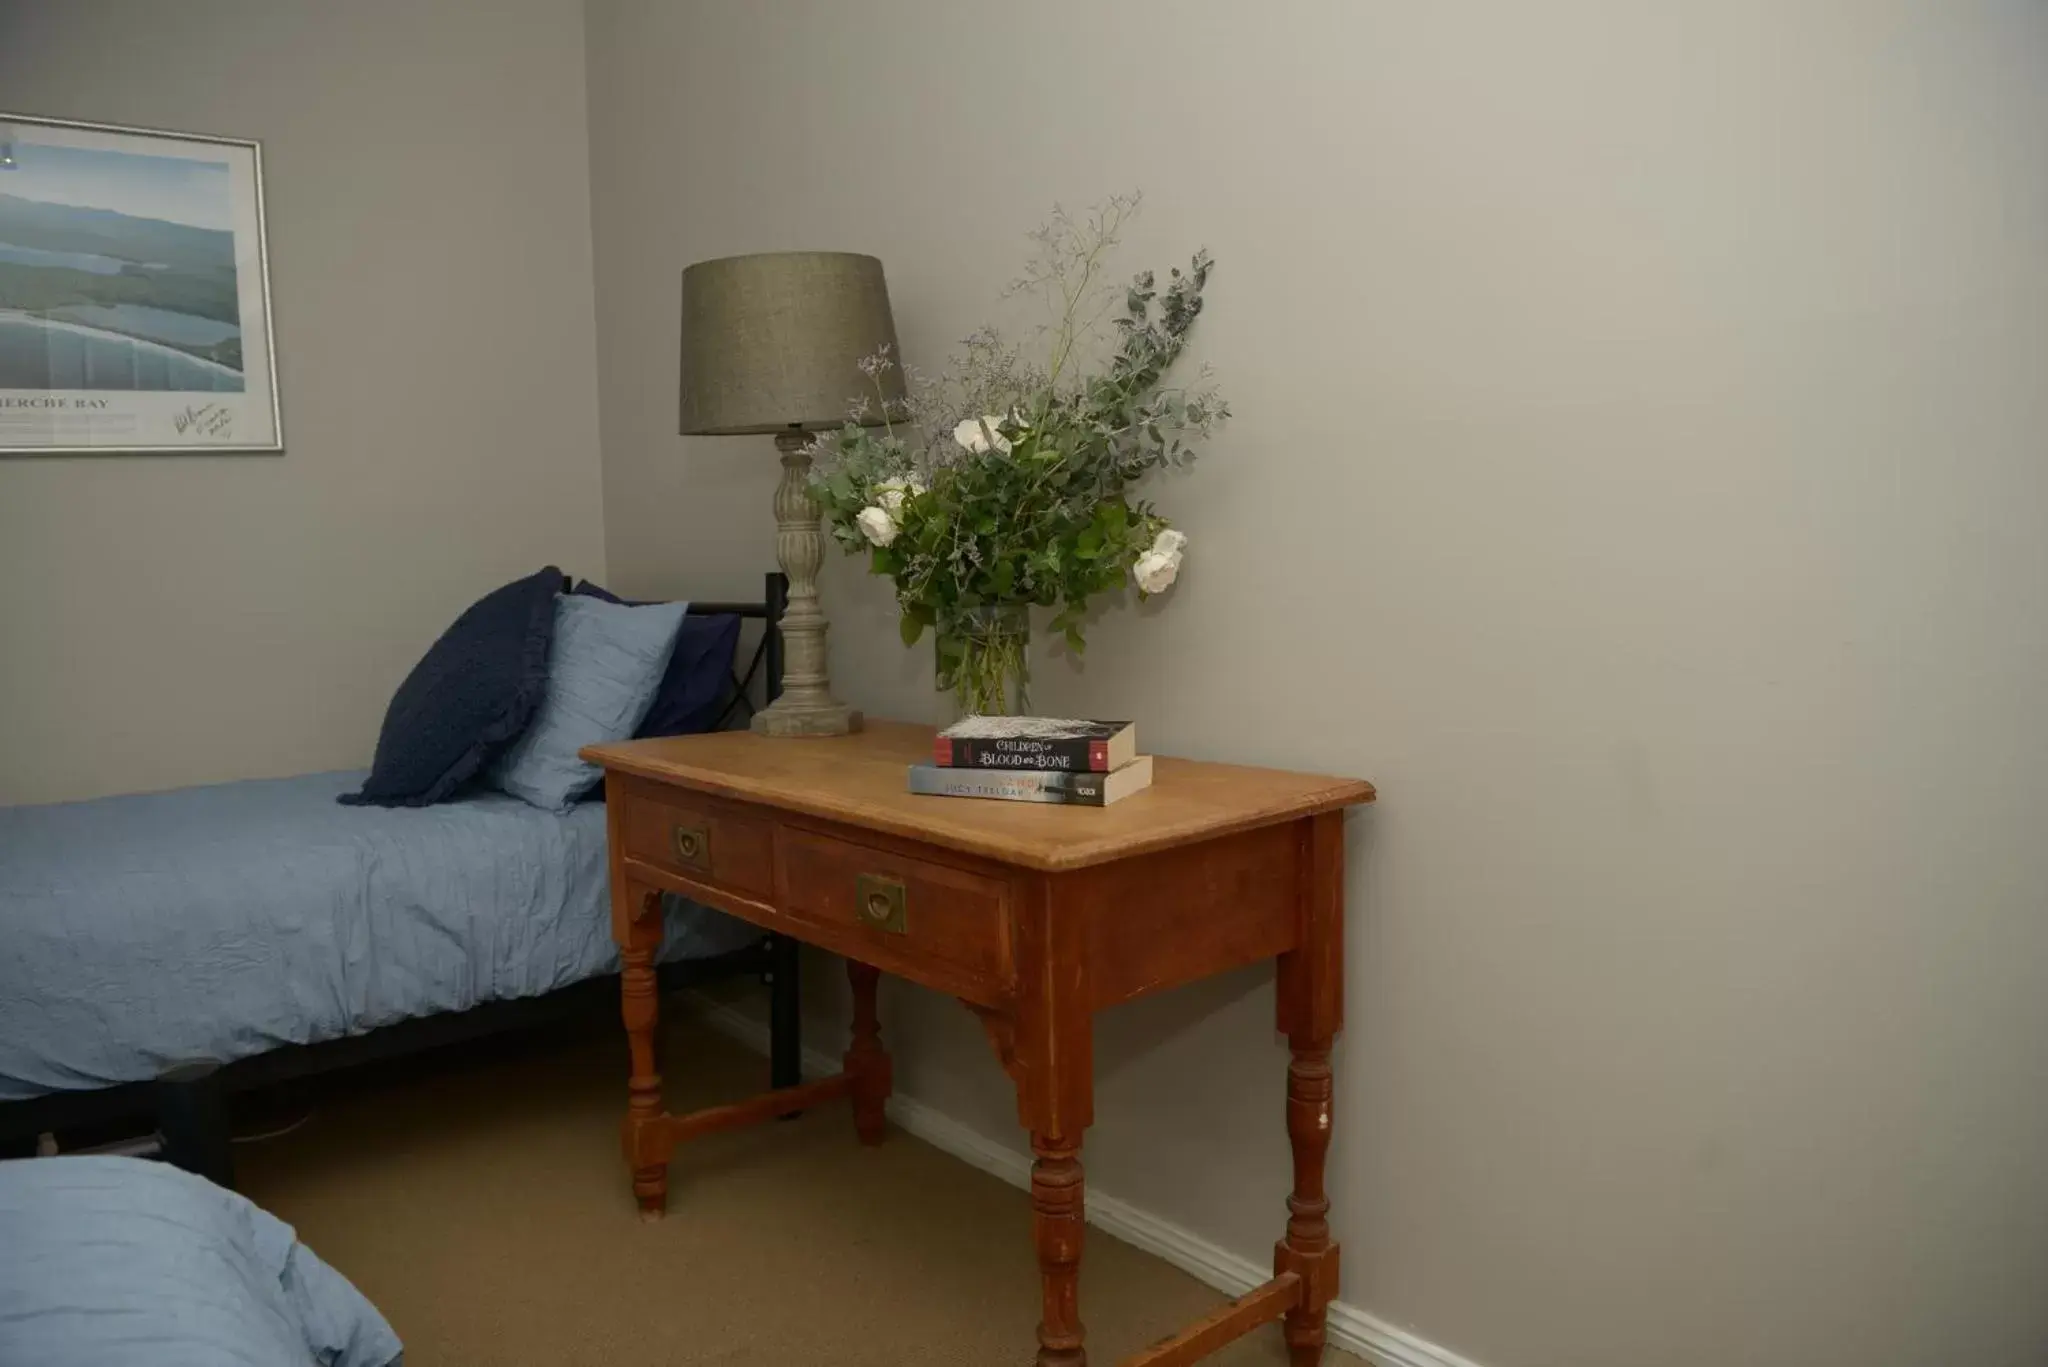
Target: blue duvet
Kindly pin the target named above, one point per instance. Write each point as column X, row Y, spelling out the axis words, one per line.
column 114, row 1262
column 219, row 922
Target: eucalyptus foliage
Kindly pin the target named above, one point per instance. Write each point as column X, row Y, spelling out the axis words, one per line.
column 1008, row 480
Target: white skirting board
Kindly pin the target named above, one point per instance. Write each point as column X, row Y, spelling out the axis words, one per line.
column 1351, row 1328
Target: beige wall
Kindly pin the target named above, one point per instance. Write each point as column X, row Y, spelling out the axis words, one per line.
column 1640, row 470
column 174, row 620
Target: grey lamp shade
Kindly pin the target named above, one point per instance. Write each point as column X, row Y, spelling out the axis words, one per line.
column 775, row 340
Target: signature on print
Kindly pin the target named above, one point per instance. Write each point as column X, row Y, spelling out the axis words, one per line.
column 204, row 420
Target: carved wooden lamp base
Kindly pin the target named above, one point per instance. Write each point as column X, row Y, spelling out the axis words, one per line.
column 787, row 722
column 806, row 707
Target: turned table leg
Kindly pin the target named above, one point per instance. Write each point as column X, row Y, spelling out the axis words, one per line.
column 1307, row 1250
column 1048, row 1047
column 867, row 1063
column 1058, row 1221
column 1311, row 1002
column 641, row 1007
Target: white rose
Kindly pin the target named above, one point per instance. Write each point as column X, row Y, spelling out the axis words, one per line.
column 978, row 434
column 1155, row 572
column 877, row 525
column 890, row 493
column 1170, row 542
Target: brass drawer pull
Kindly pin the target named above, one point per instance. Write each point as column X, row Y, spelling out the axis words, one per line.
column 879, row 902
column 692, row 846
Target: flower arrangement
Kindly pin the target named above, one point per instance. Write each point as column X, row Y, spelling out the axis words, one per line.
column 1007, row 482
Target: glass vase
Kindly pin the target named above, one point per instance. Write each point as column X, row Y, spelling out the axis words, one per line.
column 984, row 659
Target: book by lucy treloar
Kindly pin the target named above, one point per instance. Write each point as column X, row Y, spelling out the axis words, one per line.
column 1036, row 743
column 1075, row 787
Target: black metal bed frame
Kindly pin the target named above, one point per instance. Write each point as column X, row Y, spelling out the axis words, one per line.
column 188, row 1105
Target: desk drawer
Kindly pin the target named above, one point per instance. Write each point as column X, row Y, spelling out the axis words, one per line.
column 907, row 910
column 707, row 843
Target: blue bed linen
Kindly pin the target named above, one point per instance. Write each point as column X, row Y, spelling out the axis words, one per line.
column 223, row 921
column 108, row 1262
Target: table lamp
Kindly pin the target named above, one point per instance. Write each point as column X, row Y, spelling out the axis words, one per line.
column 773, row 343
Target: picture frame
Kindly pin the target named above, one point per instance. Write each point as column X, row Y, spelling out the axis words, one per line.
column 135, row 314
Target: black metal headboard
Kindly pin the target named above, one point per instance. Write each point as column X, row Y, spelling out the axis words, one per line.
column 765, row 658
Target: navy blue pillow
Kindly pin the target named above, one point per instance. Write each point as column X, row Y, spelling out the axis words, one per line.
column 470, row 697
column 698, row 672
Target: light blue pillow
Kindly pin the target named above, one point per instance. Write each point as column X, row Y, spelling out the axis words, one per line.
column 604, row 666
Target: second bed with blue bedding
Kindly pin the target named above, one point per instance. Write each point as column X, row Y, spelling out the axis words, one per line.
column 224, row 921
column 108, row 1262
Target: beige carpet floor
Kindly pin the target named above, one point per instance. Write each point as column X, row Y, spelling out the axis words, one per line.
column 485, row 1209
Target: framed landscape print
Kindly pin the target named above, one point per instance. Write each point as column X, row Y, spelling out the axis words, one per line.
column 134, row 292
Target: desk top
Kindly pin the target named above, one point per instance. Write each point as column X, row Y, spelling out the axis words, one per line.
column 859, row 779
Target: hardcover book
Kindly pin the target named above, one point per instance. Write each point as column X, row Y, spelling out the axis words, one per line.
column 1080, row 788
column 1036, row 743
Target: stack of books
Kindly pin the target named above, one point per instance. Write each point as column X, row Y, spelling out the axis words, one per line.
column 1035, row 759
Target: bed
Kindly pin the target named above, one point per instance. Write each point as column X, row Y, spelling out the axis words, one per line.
column 111, row 1261
column 294, row 919
column 161, row 951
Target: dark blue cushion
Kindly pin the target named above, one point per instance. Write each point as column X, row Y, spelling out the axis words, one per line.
column 469, row 698
column 698, row 672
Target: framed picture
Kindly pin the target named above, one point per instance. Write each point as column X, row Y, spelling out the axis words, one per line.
column 134, row 292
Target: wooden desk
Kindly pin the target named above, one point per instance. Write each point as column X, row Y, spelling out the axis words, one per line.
column 1035, row 917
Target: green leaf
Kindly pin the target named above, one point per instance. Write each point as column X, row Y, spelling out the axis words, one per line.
column 1074, row 641
column 909, row 628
